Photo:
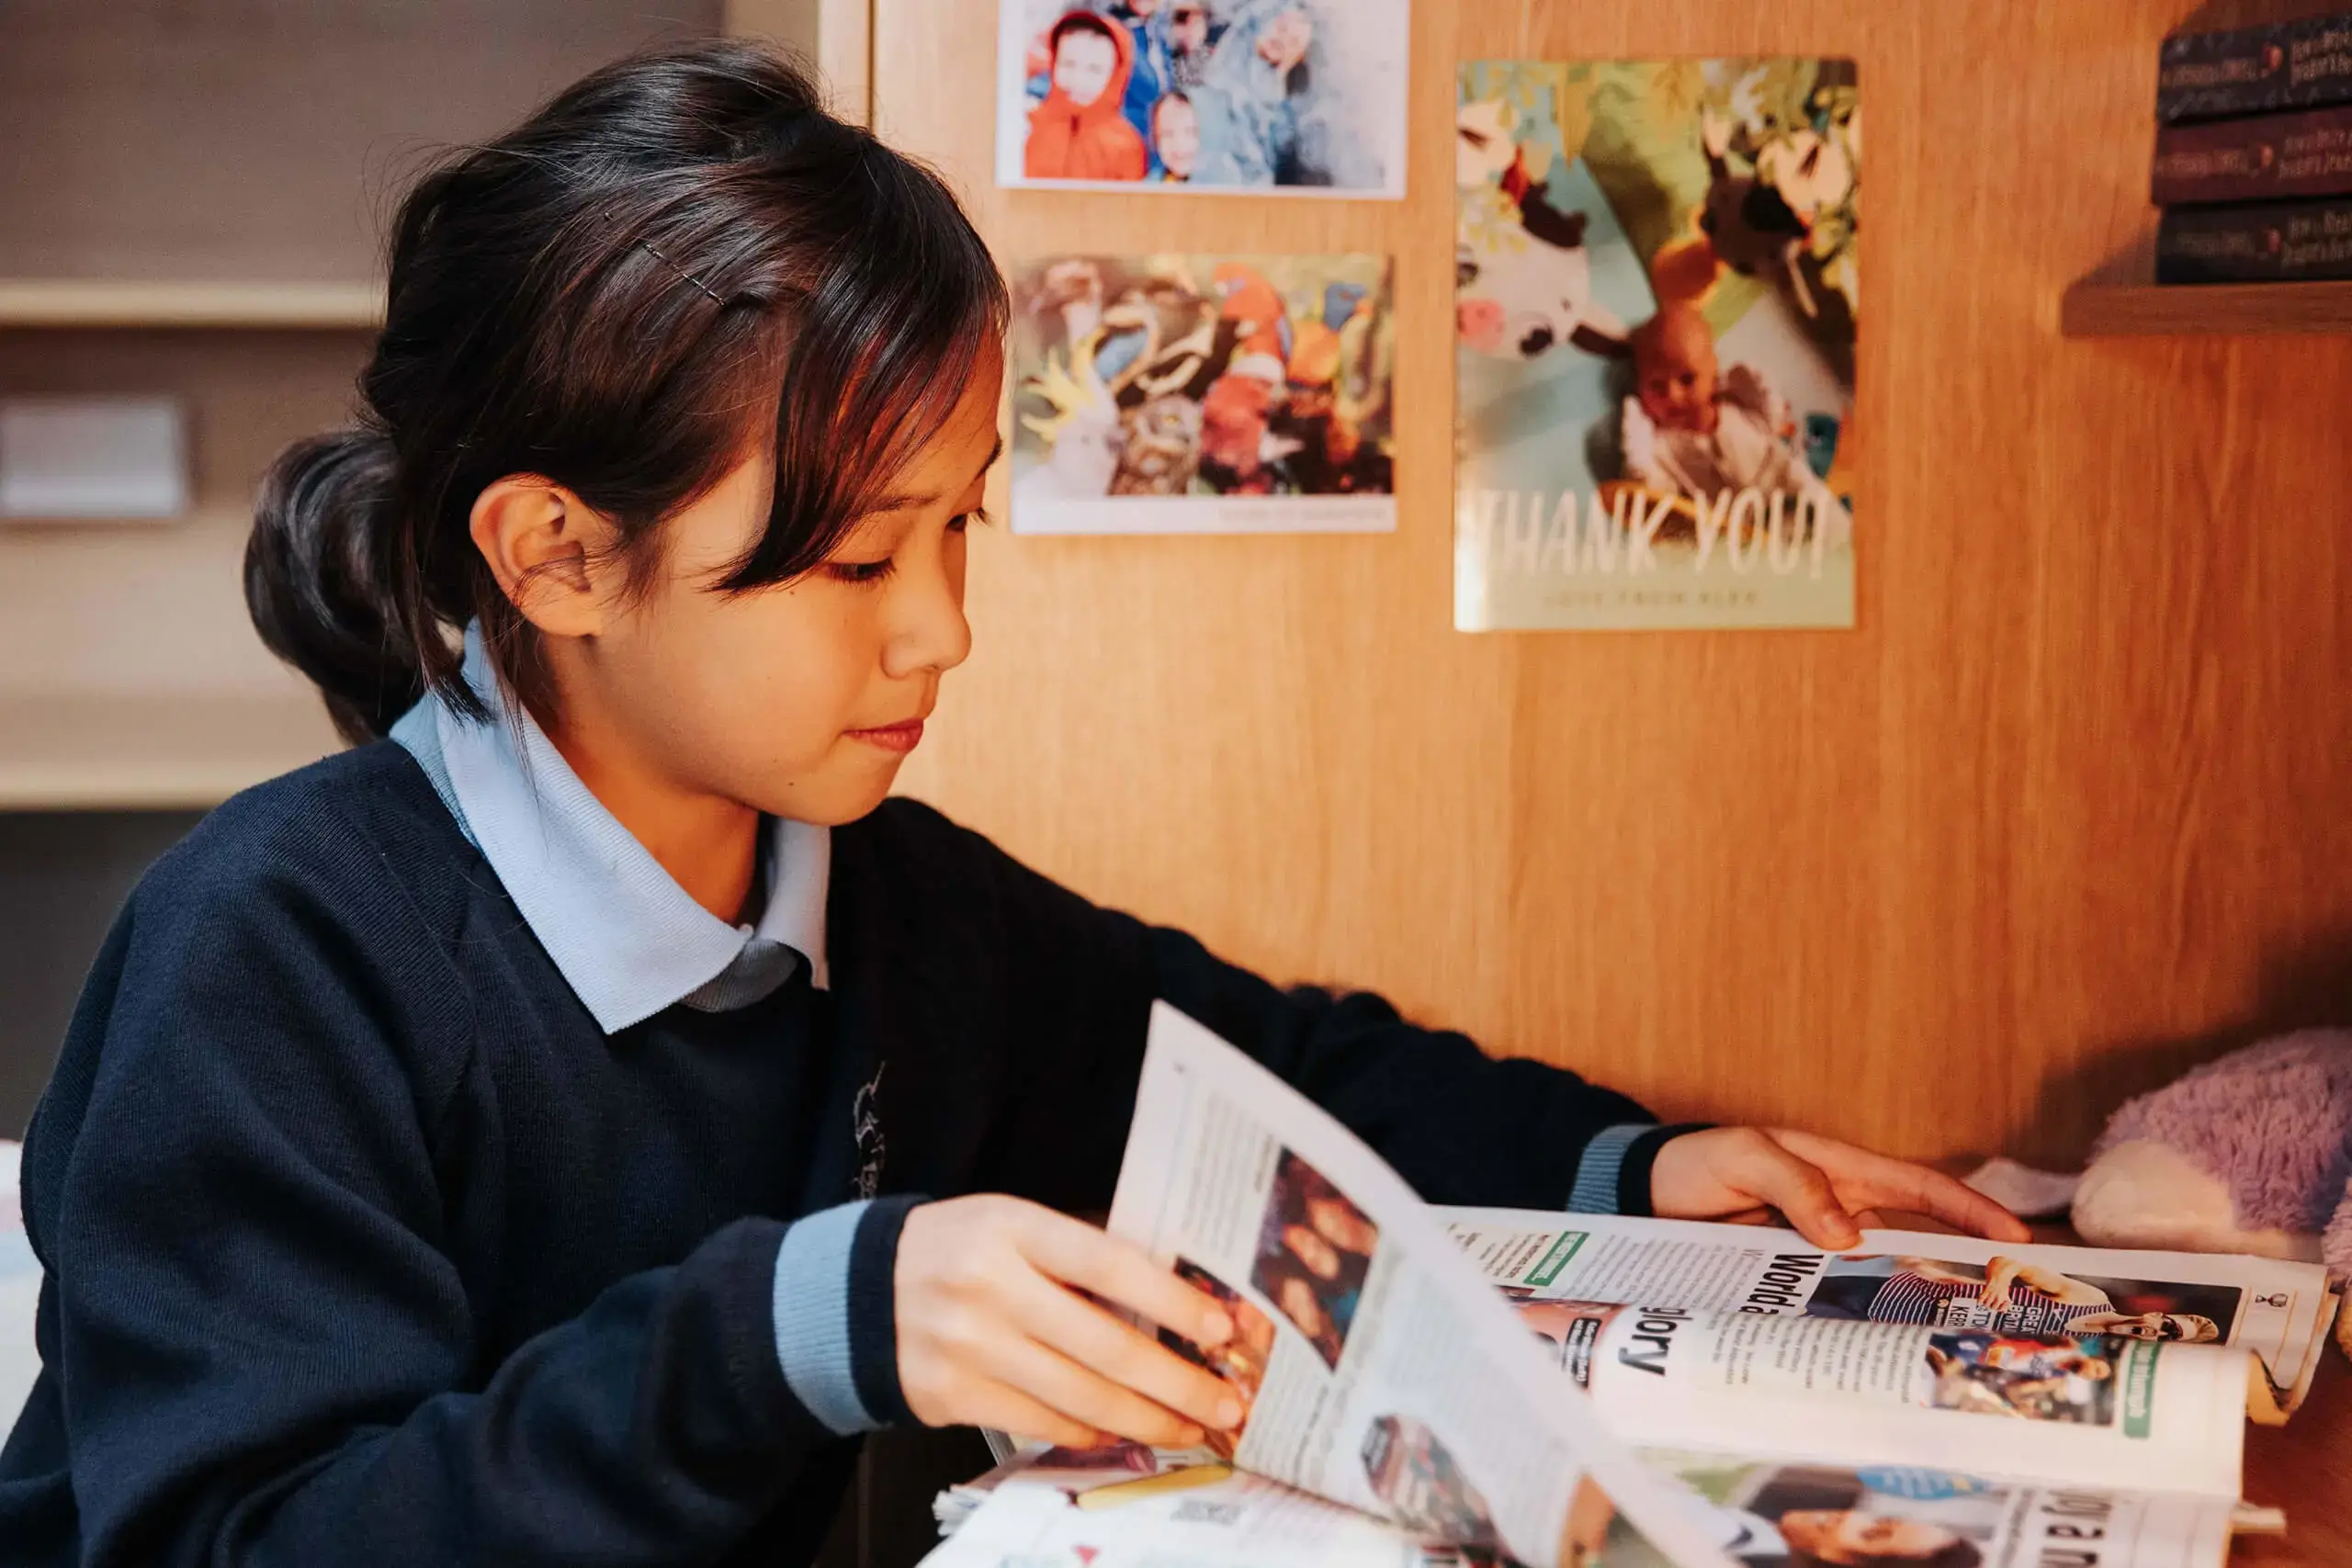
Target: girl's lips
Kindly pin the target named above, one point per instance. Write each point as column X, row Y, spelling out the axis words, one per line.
column 900, row 737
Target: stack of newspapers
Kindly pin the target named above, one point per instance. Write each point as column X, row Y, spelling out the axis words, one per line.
column 1429, row 1385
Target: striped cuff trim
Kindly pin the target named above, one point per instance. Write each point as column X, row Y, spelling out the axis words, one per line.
column 874, row 1309
column 1633, row 1195
column 812, row 1317
column 1595, row 1191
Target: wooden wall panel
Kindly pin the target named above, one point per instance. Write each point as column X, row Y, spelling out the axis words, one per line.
column 2067, row 809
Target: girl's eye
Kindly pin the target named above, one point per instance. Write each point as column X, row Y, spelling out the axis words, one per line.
column 863, row 570
column 964, row 524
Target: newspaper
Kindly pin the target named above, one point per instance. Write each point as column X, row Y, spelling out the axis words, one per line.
column 1378, row 1368
column 2280, row 1311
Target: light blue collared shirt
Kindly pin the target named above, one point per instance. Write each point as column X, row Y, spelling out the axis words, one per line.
column 627, row 938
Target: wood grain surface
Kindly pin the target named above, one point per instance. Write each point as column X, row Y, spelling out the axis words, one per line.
column 2305, row 1467
column 2064, row 813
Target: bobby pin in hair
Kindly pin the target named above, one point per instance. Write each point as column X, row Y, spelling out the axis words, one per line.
column 681, row 272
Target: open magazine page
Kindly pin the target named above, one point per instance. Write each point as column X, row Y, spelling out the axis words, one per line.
column 1126, row 1506
column 1379, row 1368
column 2101, row 1411
column 1774, row 1514
column 1129, row 1506
column 2278, row 1310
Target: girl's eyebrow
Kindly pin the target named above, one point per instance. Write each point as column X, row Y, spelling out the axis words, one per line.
column 916, row 503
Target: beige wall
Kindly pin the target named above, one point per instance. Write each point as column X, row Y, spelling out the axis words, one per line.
column 2071, row 800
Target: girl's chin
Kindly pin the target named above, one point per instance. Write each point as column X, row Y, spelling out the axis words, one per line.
column 842, row 795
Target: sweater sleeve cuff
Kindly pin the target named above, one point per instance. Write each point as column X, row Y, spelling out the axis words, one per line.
column 1640, row 1156
column 1595, row 1191
column 836, row 1329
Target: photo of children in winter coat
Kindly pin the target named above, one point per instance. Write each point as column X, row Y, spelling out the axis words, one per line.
column 1203, row 394
column 1232, row 94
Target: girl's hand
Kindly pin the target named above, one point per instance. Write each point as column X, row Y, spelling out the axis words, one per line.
column 1827, row 1189
column 993, row 1330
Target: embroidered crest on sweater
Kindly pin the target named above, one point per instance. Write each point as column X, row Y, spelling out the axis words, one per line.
column 865, row 1127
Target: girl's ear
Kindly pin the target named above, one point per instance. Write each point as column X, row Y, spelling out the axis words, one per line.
column 549, row 550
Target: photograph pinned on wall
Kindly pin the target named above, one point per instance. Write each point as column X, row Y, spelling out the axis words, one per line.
column 1203, row 394
column 1240, row 97
column 1656, row 304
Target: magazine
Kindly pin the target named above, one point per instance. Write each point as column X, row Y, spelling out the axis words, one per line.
column 1124, row 1506
column 1429, row 1385
column 2279, row 1311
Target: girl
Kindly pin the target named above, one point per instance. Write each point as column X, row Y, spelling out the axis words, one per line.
column 548, row 1132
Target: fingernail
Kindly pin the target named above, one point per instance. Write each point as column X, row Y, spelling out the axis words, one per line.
column 1229, row 1414
column 1215, row 1329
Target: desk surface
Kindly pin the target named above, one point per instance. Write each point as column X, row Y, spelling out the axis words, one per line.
column 2305, row 1467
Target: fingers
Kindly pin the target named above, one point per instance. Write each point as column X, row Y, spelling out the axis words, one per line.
column 1801, row 1191
column 1010, row 1410
column 1081, row 1396
column 974, row 1311
column 1123, row 1273
column 1879, row 1181
column 1094, row 1339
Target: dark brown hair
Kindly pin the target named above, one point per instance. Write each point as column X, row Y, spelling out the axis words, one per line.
column 680, row 258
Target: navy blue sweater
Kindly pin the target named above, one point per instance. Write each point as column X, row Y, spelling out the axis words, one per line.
column 365, row 1245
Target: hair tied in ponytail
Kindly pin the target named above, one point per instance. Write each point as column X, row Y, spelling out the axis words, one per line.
column 315, row 579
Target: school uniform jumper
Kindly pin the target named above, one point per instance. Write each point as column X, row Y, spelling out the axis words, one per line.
column 427, row 1180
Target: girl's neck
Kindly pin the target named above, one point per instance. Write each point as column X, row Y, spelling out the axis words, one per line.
column 708, row 845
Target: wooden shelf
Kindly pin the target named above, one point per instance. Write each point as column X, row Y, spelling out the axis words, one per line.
column 74, row 302
column 151, row 752
column 2106, row 307
column 199, row 517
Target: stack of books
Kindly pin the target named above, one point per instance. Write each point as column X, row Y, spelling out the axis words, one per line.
column 2254, row 154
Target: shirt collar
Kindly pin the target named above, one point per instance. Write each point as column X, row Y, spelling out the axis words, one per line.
column 627, row 939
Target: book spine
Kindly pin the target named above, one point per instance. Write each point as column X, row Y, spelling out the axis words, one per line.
column 2269, row 242
column 2274, row 158
column 2303, row 63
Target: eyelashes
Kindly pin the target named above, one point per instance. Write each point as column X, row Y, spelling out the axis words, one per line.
column 867, row 573
column 863, row 571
